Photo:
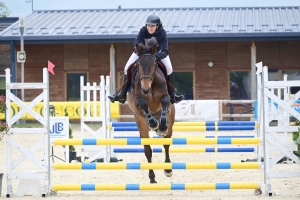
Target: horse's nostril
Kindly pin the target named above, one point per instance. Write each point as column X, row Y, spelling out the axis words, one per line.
column 145, row 92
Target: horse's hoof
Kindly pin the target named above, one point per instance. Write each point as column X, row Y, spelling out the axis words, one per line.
column 162, row 133
column 154, row 128
column 168, row 174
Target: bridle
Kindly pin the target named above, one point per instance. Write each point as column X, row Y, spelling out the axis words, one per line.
column 147, row 76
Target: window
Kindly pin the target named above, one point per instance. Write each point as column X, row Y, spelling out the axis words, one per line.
column 293, row 75
column 273, row 75
column 240, row 87
column 183, row 83
column 73, row 85
column 2, row 85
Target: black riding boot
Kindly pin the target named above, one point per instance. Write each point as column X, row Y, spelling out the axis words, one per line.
column 173, row 97
column 123, row 94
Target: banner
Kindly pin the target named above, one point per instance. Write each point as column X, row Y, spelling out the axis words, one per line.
column 198, row 110
column 73, row 108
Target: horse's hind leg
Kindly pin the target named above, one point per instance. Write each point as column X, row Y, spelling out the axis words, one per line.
column 144, row 133
column 168, row 172
column 148, row 153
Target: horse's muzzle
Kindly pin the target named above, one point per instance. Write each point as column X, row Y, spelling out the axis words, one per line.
column 146, row 92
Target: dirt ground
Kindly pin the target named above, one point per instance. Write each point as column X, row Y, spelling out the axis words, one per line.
column 282, row 188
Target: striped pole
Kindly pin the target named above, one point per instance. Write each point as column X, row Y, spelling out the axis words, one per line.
column 209, row 123
column 192, row 128
column 200, row 136
column 187, row 150
column 147, row 166
column 173, row 186
column 157, row 141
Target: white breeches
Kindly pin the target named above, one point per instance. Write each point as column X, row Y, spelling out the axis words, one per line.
column 131, row 60
column 166, row 61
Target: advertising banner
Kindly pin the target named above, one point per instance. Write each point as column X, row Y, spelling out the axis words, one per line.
column 59, row 128
column 61, row 108
column 198, row 110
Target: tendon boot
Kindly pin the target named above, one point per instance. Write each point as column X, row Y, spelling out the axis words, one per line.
column 121, row 97
column 173, row 97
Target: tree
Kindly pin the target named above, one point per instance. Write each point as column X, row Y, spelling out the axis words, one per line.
column 4, row 12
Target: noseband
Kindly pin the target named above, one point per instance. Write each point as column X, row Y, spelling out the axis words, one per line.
column 147, row 76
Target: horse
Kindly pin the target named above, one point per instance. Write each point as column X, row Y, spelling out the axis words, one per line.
column 150, row 102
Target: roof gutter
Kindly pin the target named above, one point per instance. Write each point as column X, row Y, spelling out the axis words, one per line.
column 54, row 39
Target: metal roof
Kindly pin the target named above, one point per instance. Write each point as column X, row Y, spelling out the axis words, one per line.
column 182, row 24
column 6, row 22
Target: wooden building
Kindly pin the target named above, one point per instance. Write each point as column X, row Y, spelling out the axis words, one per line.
column 92, row 42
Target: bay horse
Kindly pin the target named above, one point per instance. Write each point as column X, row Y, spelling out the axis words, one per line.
column 150, row 102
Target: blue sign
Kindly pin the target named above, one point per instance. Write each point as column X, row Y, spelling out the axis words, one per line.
column 57, row 128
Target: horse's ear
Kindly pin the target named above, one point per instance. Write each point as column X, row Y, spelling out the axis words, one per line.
column 137, row 48
column 153, row 49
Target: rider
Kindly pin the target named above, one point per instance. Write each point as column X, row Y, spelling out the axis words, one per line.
column 152, row 28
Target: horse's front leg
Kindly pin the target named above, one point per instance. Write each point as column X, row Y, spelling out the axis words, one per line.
column 163, row 121
column 152, row 122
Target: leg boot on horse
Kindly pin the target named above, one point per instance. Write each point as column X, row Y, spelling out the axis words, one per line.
column 122, row 96
column 174, row 98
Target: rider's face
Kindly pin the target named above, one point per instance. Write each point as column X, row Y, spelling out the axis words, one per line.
column 151, row 28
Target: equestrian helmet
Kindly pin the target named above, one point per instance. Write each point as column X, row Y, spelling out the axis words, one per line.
column 153, row 20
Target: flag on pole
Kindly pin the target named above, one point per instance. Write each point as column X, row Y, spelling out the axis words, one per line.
column 50, row 67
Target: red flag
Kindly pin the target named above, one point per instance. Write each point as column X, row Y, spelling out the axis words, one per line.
column 50, row 67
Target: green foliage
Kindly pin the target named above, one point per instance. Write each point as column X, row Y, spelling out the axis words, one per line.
column 295, row 137
column 2, row 104
column 4, row 12
column 4, row 128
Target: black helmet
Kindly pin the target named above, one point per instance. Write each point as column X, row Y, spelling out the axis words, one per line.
column 153, row 20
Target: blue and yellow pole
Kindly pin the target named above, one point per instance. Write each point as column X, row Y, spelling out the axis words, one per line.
column 157, row 141
column 147, row 166
column 173, row 186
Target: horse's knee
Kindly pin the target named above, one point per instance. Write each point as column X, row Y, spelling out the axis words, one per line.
column 165, row 100
column 142, row 103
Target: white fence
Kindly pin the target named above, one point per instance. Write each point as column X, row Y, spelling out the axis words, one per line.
column 88, row 115
column 41, row 163
column 275, row 137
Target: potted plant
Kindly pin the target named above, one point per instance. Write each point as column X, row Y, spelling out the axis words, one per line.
column 296, row 139
column 4, row 128
column 3, row 125
column 72, row 150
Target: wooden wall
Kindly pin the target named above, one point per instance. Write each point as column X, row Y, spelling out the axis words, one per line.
column 5, row 58
column 209, row 83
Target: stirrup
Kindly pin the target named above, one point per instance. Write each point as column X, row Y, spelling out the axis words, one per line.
column 177, row 98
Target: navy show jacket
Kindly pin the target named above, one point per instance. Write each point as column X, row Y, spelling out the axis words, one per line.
column 161, row 37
